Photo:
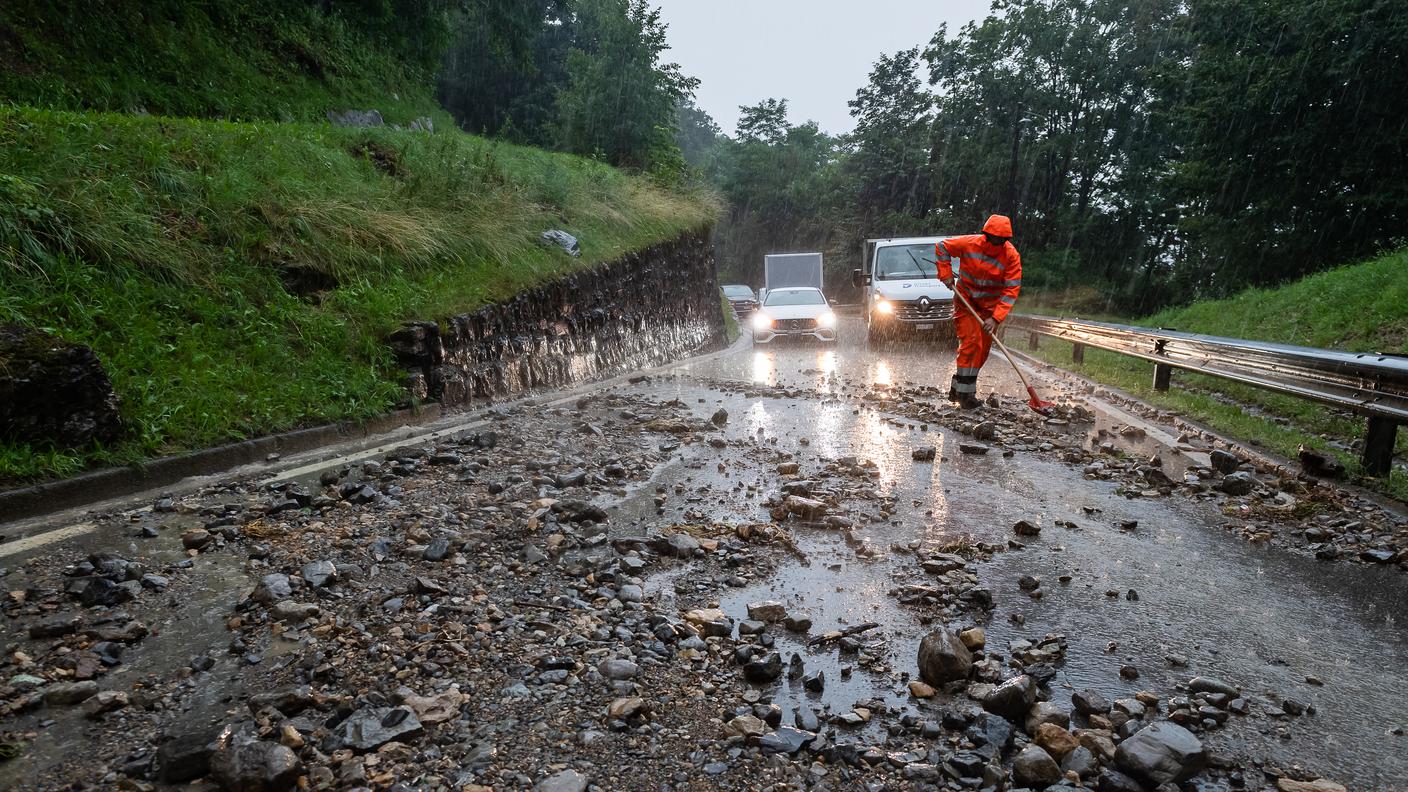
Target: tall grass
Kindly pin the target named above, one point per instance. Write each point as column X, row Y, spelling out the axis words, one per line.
column 1358, row 308
column 237, row 279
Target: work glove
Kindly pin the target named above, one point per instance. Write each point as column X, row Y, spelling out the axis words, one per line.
column 990, row 325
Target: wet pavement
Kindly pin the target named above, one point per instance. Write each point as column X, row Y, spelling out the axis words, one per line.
column 1206, row 601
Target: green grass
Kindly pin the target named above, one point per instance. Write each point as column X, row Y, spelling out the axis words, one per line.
column 731, row 330
column 1358, row 308
column 230, row 59
column 167, row 244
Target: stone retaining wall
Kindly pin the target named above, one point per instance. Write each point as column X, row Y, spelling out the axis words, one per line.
column 642, row 310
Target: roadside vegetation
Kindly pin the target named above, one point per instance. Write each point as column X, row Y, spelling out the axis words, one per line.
column 172, row 195
column 1357, row 308
column 238, row 279
column 1150, row 154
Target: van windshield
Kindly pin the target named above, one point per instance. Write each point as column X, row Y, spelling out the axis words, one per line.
column 897, row 262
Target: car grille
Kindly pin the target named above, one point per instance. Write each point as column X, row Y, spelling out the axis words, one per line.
column 912, row 311
column 796, row 324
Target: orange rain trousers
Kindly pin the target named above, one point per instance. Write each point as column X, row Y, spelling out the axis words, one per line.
column 973, row 348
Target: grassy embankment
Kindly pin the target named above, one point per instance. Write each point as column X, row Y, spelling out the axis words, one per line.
column 278, row 60
column 1358, row 308
column 237, row 277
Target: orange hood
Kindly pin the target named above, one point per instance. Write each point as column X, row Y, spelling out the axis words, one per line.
column 999, row 226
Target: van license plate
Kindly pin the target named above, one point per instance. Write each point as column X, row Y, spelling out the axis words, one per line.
column 924, row 327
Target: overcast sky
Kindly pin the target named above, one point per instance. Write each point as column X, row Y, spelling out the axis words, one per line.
column 814, row 53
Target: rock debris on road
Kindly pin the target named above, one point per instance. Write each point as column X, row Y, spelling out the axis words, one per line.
column 610, row 596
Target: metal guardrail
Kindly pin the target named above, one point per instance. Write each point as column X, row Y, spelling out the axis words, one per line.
column 1373, row 385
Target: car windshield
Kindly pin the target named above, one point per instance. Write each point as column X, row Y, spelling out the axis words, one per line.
column 897, row 262
column 738, row 292
column 795, row 297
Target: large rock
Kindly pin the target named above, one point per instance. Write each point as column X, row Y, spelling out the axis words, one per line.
column 1162, row 753
column 565, row 781
column 1012, row 698
column 372, row 727
column 1034, row 767
column 186, row 756
column 254, row 766
column 356, row 118
column 943, row 658
column 53, row 392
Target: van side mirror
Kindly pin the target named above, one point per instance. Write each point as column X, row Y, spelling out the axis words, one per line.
column 856, row 278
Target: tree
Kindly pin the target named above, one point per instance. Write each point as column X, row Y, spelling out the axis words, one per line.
column 894, row 120
column 619, row 102
column 1294, row 142
column 502, row 71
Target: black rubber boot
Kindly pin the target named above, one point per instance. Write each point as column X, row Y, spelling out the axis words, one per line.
column 968, row 401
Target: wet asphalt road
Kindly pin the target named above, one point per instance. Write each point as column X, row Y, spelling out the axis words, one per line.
column 1262, row 618
column 1259, row 617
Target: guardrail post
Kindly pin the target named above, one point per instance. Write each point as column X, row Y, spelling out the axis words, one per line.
column 1032, row 340
column 1378, row 445
column 1078, row 353
column 1162, row 371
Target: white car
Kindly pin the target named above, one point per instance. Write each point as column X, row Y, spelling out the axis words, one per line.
column 794, row 312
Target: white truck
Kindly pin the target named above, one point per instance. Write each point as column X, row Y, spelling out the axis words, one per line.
column 790, row 269
column 901, row 289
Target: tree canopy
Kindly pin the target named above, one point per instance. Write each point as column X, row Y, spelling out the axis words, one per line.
column 1150, row 152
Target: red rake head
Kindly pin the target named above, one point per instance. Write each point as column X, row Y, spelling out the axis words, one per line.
column 1037, row 405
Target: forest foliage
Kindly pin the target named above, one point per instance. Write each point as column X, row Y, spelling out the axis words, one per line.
column 1150, row 152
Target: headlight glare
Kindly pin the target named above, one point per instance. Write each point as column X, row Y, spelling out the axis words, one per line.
column 762, row 321
column 884, row 307
column 827, row 319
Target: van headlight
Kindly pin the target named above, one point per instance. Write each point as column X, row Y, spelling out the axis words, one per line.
column 884, row 307
column 762, row 321
column 827, row 319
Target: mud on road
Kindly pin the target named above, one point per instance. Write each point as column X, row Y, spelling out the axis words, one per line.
column 746, row 574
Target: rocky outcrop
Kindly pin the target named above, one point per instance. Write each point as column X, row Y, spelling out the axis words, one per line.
column 52, row 392
column 643, row 309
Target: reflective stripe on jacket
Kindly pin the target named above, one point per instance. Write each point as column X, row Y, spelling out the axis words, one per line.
column 991, row 277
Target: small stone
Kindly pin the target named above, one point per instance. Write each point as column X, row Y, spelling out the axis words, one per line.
column 565, row 781
column 626, row 707
column 67, row 693
column 1318, row 785
column 975, row 449
column 318, row 573
column 767, row 610
column 1090, row 702
column 196, row 539
column 1035, row 767
column 921, row 690
column 1025, row 528
column 105, row 701
column 974, row 638
column 1055, row 740
column 55, row 626
column 254, row 766
column 372, row 727
column 1161, row 753
column 943, row 658
column 924, row 454
column 1212, row 685
column 618, row 669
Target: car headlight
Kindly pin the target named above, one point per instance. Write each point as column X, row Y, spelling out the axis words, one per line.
column 762, row 321
column 884, row 307
column 827, row 319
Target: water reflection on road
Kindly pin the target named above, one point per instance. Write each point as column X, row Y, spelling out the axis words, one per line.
column 1263, row 618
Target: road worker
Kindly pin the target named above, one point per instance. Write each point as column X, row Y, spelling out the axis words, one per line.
column 990, row 276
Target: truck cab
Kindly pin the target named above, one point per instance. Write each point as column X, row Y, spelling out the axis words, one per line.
column 902, row 293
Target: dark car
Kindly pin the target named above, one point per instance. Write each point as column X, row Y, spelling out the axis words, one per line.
column 742, row 298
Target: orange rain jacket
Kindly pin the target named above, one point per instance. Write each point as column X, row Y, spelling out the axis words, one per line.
column 990, row 277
